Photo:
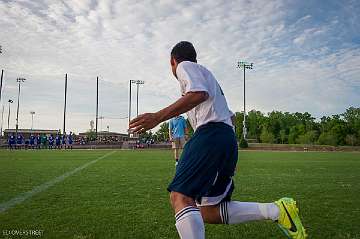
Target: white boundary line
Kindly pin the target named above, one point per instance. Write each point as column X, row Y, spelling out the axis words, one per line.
column 38, row 189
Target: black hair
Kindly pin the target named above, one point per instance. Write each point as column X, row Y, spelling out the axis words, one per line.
column 184, row 51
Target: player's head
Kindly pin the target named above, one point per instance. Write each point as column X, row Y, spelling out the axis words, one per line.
column 182, row 51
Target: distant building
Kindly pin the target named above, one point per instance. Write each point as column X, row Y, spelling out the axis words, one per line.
column 27, row 132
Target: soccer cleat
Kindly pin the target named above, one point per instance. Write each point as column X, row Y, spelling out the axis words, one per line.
column 289, row 221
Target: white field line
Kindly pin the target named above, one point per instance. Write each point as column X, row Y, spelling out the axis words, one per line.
column 38, row 189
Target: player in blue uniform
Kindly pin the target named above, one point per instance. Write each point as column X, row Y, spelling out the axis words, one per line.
column 202, row 186
column 51, row 141
column 19, row 141
column 70, row 140
column 32, row 141
column 12, row 141
column 26, row 143
column 38, row 141
column 63, row 141
column 58, row 141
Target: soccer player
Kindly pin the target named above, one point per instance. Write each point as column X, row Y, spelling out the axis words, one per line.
column 177, row 131
column 32, row 141
column 44, row 141
column 19, row 141
column 202, row 187
column 51, row 141
column 12, row 141
column 70, row 140
column 58, row 141
column 63, row 140
column 38, row 141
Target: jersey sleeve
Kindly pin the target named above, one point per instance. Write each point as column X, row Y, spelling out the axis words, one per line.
column 192, row 78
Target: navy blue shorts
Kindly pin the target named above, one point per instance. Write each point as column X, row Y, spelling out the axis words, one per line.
column 207, row 165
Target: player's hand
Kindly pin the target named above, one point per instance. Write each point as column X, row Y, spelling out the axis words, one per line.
column 143, row 122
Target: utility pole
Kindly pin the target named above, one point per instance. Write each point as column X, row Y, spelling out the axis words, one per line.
column 1, row 83
column 8, row 123
column 130, row 82
column 138, row 82
column 244, row 65
column 19, row 80
column 2, row 120
column 97, row 107
column 65, row 104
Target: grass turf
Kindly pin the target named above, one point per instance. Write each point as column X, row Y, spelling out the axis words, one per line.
column 124, row 195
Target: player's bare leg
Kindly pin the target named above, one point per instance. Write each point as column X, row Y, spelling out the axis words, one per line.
column 189, row 223
column 176, row 154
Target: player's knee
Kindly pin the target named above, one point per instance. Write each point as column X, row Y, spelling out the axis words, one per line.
column 179, row 201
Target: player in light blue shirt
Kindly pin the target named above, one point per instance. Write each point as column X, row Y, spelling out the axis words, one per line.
column 177, row 131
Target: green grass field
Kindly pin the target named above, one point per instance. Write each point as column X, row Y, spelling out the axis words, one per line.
column 124, row 194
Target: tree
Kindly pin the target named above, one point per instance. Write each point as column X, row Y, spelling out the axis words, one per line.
column 293, row 135
column 239, row 117
column 266, row 136
column 351, row 139
column 255, row 119
column 283, row 136
column 327, row 138
column 307, row 138
column 162, row 134
column 352, row 118
column 189, row 127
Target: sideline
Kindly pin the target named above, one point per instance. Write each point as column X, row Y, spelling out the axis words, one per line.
column 38, row 189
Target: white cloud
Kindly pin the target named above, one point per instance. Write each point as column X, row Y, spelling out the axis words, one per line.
column 130, row 40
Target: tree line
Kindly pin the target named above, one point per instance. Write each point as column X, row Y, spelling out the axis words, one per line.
column 279, row 127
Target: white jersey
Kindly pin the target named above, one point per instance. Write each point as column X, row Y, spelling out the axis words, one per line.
column 194, row 77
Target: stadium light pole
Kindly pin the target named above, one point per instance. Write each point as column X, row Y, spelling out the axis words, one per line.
column 32, row 119
column 130, row 84
column 97, row 107
column 2, row 119
column 129, row 116
column 138, row 83
column 245, row 66
column 10, row 102
column 19, row 80
column 1, row 83
column 64, row 123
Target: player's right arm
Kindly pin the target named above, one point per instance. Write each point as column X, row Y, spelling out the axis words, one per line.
column 184, row 104
column 195, row 91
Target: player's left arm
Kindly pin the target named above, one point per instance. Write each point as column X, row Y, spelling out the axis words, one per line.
column 150, row 120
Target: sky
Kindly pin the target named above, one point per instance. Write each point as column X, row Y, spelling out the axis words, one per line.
column 306, row 56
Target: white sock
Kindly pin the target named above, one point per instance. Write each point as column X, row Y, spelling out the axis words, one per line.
column 190, row 224
column 238, row 212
